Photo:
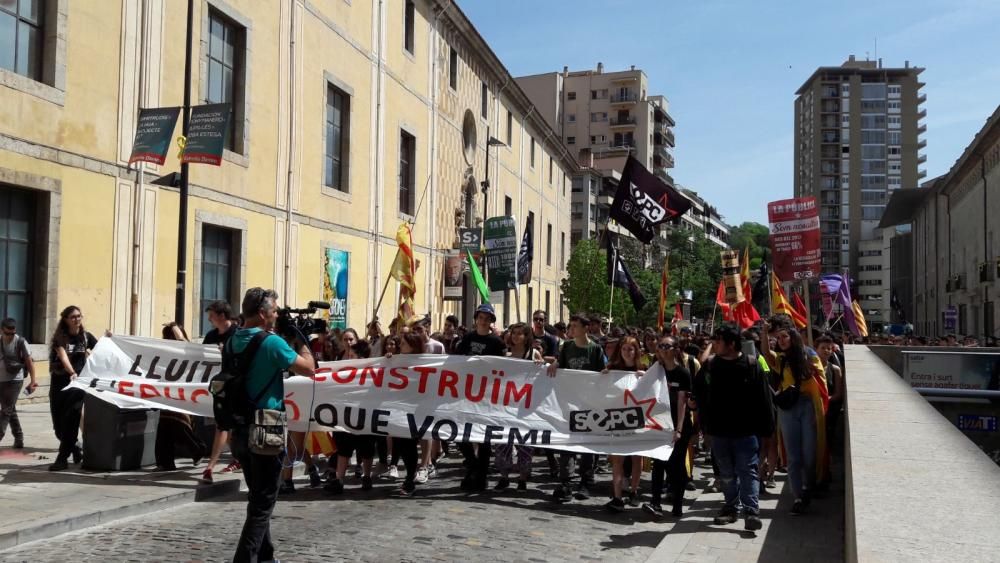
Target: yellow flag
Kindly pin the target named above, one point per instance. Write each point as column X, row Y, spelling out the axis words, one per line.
column 859, row 318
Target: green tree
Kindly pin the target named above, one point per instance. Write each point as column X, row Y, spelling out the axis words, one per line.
column 585, row 288
column 695, row 264
column 754, row 236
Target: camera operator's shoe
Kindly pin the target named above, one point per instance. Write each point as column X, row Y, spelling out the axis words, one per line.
column 315, row 480
column 287, row 487
column 366, row 483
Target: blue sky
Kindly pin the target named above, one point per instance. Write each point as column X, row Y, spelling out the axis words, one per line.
column 731, row 68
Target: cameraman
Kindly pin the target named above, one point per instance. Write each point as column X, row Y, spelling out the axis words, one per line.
column 262, row 472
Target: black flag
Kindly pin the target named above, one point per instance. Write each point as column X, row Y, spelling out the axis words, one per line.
column 619, row 275
column 644, row 201
column 525, row 256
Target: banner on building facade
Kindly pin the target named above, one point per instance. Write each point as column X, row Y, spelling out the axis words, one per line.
column 335, row 282
column 795, row 238
column 500, row 242
column 455, row 267
column 153, row 131
column 206, row 138
column 452, row 398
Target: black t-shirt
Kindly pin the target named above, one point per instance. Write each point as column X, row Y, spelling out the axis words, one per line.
column 213, row 336
column 475, row 344
column 76, row 348
column 678, row 379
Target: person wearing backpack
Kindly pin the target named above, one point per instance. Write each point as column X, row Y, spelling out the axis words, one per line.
column 736, row 396
column 259, row 357
column 16, row 360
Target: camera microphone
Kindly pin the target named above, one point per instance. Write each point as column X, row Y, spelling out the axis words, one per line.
column 319, row 305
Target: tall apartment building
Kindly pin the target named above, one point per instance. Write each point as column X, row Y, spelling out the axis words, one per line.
column 704, row 218
column 343, row 112
column 857, row 140
column 607, row 115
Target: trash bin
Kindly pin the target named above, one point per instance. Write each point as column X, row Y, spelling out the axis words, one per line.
column 116, row 439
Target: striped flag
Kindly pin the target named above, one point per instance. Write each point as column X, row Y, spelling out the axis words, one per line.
column 404, row 270
column 780, row 304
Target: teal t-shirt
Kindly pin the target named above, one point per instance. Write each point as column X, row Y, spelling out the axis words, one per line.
column 273, row 356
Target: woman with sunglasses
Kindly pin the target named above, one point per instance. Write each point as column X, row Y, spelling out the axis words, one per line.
column 71, row 345
column 628, row 357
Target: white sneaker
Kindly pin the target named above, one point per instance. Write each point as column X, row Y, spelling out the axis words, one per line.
column 431, row 471
column 421, row 475
column 393, row 472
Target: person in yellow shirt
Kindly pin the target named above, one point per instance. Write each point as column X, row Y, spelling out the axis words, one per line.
column 798, row 378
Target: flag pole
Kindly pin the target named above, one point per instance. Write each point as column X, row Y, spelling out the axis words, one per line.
column 809, row 321
column 614, row 273
column 412, row 223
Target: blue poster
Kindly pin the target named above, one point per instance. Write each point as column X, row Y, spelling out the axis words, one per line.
column 335, row 286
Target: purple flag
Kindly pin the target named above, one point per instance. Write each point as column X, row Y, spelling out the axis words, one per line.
column 839, row 287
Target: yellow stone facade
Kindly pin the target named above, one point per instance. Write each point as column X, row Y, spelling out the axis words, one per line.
column 99, row 239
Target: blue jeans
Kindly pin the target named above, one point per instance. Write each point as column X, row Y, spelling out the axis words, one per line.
column 798, row 431
column 738, row 459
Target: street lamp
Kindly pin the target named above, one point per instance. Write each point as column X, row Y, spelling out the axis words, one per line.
column 491, row 141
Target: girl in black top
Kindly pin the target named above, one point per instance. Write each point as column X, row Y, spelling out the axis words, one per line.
column 627, row 357
column 71, row 345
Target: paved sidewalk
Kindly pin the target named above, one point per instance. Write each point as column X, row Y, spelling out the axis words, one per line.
column 817, row 536
column 40, row 504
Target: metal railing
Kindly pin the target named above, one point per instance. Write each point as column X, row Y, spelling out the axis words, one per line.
column 623, row 98
column 618, row 121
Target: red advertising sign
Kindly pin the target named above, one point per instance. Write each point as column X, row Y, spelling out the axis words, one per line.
column 795, row 237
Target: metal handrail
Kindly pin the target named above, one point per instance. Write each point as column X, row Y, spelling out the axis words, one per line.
column 975, row 393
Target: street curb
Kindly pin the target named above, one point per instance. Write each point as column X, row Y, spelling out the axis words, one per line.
column 56, row 527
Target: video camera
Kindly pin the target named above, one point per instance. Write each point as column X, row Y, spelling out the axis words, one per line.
column 296, row 323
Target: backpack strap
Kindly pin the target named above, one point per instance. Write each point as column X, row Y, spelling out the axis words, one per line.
column 250, row 352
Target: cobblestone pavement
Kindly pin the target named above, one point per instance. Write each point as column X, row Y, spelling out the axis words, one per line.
column 440, row 523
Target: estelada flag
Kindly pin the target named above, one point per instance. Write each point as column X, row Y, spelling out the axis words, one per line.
column 780, row 304
column 644, row 201
column 800, row 307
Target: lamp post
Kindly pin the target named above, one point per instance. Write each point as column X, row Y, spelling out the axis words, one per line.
column 491, row 141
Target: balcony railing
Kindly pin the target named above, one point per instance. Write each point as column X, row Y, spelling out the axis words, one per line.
column 623, row 121
column 922, row 159
column 921, row 129
column 921, row 144
column 629, row 98
column 619, row 146
column 922, row 114
column 921, row 99
column 922, row 173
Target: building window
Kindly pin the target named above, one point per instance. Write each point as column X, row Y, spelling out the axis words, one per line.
column 599, row 94
column 453, row 68
column 16, row 228
column 531, row 302
column 571, row 117
column 408, row 23
column 562, row 250
column 599, row 116
column 508, row 206
column 598, row 139
column 218, row 281
column 570, row 95
column 548, row 244
column 225, row 73
column 407, row 172
column 547, row 313
column 550, row 170
column 510, row 128
column 530, row 225
column 532, row 152
column 338, row 111
column 485, row 101
column 21, row 37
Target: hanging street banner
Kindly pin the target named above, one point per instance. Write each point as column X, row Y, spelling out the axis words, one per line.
column 335, row 278
column 153, row 131
column 500, row 241
column 206, row 137
column 795, row 238
column 455, row 267
column 452, row 398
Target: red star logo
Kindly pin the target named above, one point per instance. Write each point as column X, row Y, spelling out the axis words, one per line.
column 651, row 423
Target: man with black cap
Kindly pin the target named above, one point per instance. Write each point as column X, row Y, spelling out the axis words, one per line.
column 479, row 342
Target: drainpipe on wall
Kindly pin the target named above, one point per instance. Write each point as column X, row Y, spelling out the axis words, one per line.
column 137, row 196
column 431, row 223
column 291, row 156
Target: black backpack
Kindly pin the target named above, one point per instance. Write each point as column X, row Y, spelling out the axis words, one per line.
column 231, row 405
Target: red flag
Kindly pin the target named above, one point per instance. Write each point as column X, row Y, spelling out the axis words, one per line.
column 678, row 317
column 799, row 306
column 780, row 304
column 746, row 315
column 724, row 306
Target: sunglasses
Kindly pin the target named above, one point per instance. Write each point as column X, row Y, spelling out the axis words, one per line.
column 665, row 347
column 539, row 319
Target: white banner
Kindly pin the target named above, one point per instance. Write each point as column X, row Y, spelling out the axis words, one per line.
column 452, row 398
